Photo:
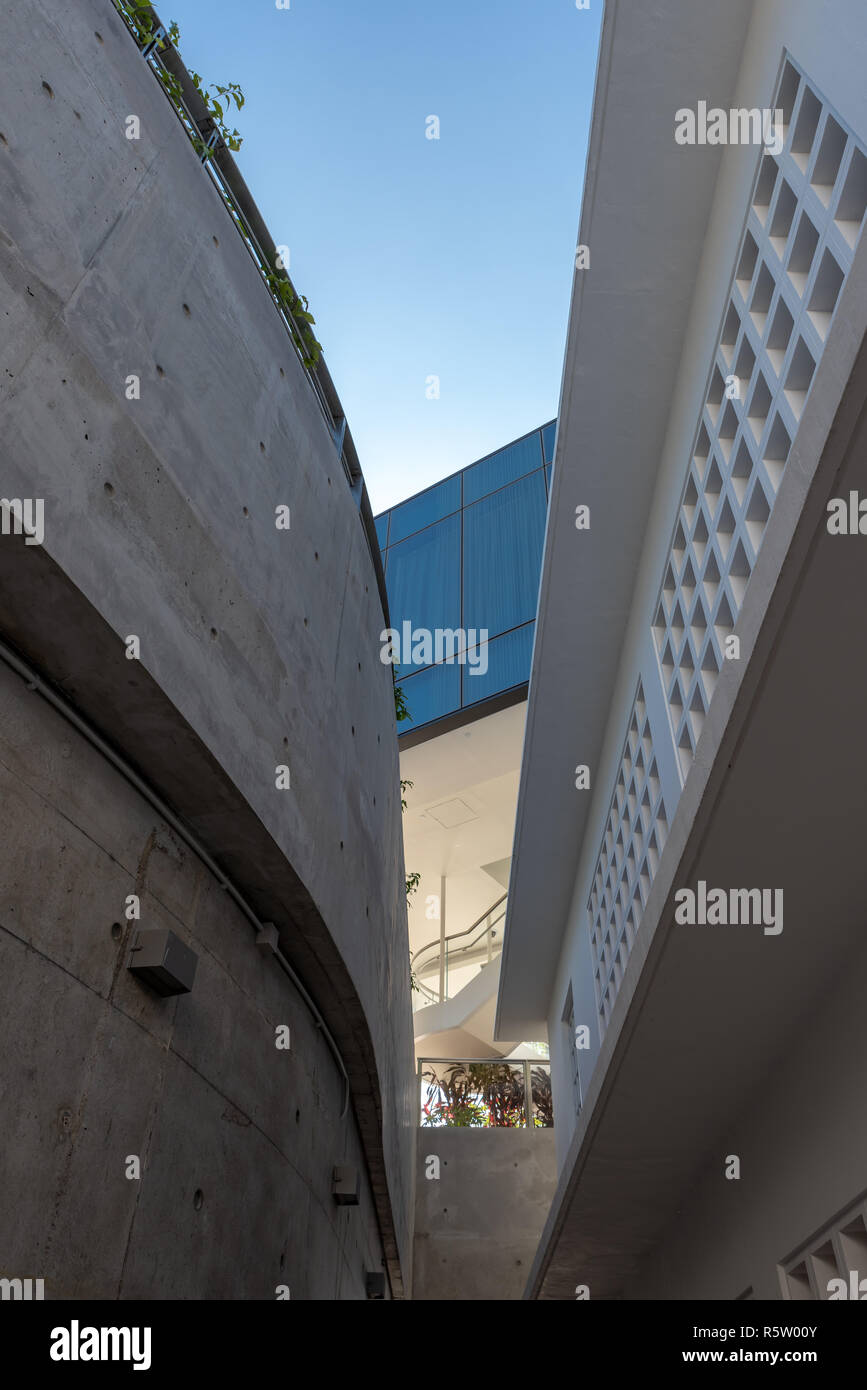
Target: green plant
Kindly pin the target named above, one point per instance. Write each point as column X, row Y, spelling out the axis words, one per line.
column 297, row 307
column 476, row 1094
column 452, row 1099
column 218, row 99
column 142, row 20
column 401, row 710
column 215, row 108
column 501, row 1088
column 543, row 1099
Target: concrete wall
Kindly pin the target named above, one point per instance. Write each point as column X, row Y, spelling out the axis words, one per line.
column 477, row 1225
column 259, row 647
column 98, row 1068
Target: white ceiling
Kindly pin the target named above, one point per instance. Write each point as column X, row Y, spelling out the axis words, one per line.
column 461, row 816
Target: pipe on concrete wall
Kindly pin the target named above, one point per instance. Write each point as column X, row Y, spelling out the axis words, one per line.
column 35, row 682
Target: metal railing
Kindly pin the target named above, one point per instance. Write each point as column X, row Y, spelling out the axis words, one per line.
column 485, row 1093
column 189, row 106
column 484, row 944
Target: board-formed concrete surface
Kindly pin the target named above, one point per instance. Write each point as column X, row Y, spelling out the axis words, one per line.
column 236, row 1140
column 477, row 1224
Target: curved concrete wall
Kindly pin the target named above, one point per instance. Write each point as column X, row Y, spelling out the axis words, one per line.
column 98, row 1069
column 259, row 646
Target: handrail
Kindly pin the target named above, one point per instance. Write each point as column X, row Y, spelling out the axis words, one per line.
column 455, row 954
column 160, row 53
column 453, row 936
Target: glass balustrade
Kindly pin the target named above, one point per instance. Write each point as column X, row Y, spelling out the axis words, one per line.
column 470, row 1093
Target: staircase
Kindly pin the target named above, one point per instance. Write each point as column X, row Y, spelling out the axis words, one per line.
column 456, row 994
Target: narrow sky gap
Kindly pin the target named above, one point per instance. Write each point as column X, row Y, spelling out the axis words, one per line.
column 449, row 258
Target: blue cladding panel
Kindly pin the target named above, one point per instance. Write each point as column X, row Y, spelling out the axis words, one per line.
column 423, row 580
column 503, row 536
column 381, row 524
column 428, row 507
column 430, row 694
column 508, row 663
column 493, row 546
column 502, row 468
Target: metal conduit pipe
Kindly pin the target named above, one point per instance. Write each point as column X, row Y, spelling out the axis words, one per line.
column 34, row 682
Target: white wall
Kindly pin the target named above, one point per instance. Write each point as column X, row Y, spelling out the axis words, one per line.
column 830, row 43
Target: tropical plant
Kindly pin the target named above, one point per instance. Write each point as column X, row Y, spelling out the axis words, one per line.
column 452, row 1100
column 501, row 1087
column 476, row 1094
column 543, row 1099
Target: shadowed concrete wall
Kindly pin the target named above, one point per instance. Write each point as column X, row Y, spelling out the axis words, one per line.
column 98, row 1068
column 259, row 647
column 801, row 1137
column 477, row 1226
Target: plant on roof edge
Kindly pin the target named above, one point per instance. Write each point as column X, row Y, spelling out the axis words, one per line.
column 219, row 100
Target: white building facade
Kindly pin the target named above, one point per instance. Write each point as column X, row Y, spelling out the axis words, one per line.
column 686, row 906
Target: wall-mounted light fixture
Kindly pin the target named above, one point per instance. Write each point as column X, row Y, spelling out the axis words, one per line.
column 344, row 1186
column 161, row 960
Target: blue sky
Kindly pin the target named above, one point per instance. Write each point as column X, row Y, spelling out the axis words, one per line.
column 449, row 257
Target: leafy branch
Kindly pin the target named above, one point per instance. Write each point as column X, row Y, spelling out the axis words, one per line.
column 297, row 306
column 401, row 709
column 218, row 107
column 142, row 20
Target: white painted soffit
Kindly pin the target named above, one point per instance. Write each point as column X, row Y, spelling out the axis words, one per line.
column 645, row 212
